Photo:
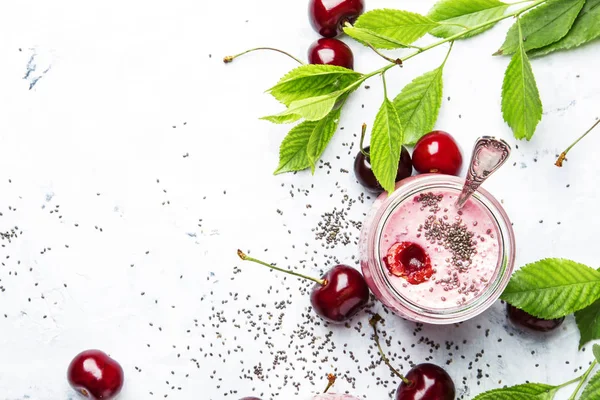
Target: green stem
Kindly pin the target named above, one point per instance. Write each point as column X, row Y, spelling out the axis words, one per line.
column 384, row 85
column 582, row 380
column 245, row 257
column 563, row 155
column 476, row 27
column 362, row 140
column 229, row 59
column 331, row 381
column 396, row 61
column 373, row 322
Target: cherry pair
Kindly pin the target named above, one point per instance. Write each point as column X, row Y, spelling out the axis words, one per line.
column 436, row 152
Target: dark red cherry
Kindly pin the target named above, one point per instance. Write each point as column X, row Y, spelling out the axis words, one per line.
column 521, row 318
column 427, row 382
column 95, row 375
column 366, row 177
column 329, row 16
column 343, row 293
column 330, row 51
column 437, row 152
column 337, row 296
column 409, row 261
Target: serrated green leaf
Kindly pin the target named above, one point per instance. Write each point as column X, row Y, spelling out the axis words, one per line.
column 542, row 26
column 553, row 288
column 312, row 81
column 311, row 109
column 585, row 29
column 292, row 152
column 592, row 390
column 528, row 391
column 456, row 15
column 398, row 25
column 588, row 322
column 321, row 135
column 282, row 119
column 386, row 143
column 374, row 39
column 418, row 104
column 596, row 350
column 521, row 104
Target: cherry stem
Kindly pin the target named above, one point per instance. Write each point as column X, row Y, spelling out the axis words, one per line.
column 245, row 257
column 373, row 322
column 563, row 155
column 331, row 379
column 229, row 59
column 362, row 140
column 396, row 61
column 582, row 380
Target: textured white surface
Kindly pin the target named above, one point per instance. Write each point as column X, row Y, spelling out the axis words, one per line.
column 136, row 165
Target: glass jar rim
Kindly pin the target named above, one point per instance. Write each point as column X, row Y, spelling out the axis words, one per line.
column 418, row 184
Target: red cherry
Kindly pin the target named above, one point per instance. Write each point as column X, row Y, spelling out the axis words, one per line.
column 331, row 52
column 366, row 177
column 336, row 297
column 343, row 293
column 410, row 261
column 427, row 382
column 329, row 16
column 522, row 318
column 95, row 375
column 437, row 152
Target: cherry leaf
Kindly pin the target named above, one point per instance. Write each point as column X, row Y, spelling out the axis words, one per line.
column 529, row 391
column 386, row 143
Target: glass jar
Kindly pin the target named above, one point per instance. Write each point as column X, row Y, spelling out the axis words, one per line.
column 472, row 287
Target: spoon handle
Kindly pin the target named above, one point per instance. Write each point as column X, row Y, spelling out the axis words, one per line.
column 488, row 155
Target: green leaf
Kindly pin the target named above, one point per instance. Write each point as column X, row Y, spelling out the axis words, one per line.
column 386, row 143
column 312, row 81
column 292, row 152
column 585, row 29
column 321, row 135
column 521, row 104
column 374, row 39
column 553, row 287
column 456, row 15
column 397, row 25
column 592, row 390
column 542, row 26
column 529, row 391
column 596, row 350
column 588, row 322
column 311, row 109
column 282, row 119
column 418, row 104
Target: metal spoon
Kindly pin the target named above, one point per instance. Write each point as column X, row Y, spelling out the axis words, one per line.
column 488, row 155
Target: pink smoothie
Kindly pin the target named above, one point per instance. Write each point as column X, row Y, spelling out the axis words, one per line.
column 463, row 248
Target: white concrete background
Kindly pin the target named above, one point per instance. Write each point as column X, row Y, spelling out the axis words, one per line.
column 134, row 86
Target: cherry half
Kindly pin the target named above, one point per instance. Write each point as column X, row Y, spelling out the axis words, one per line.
column 423, row 382
column 410, row 261
column 329, row 16
column 437, row 151
column 331, row 51
column 364, row 173
column 524, row 319
column 337, row 296
column 95, row 375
